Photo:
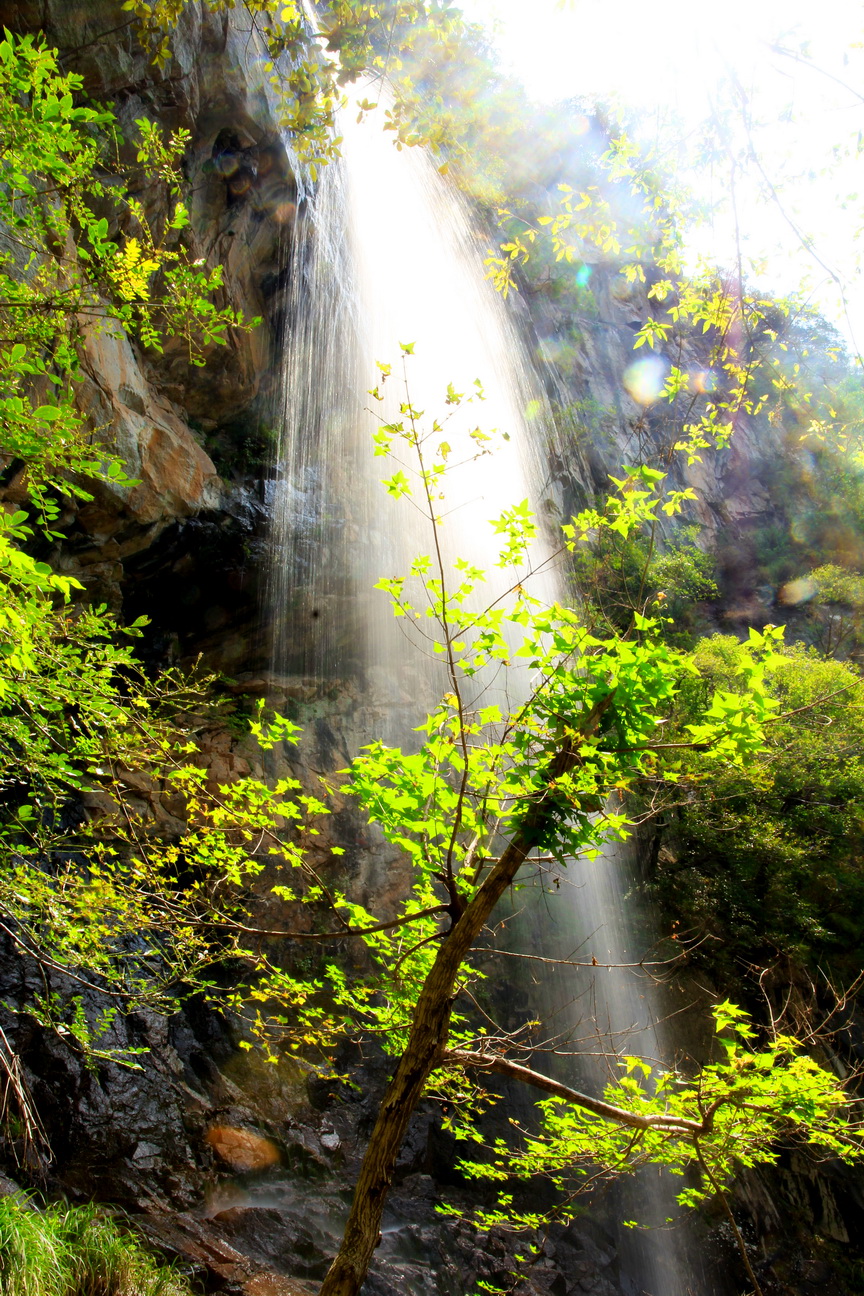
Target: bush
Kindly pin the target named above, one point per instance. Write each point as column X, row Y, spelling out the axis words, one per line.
column 770, row 856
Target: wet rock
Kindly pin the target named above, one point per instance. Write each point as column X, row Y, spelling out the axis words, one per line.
column 271, row 1284
column 119, row 1131
column 199, row 1246
column 9, row 1188
column 279, row 1087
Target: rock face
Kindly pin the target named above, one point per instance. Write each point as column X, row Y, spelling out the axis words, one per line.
column 611, row 414
column 239, row 1167
column 188, row 432
column 184, row 547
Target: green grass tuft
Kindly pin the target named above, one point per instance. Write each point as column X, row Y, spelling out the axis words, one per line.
column 75, row 1251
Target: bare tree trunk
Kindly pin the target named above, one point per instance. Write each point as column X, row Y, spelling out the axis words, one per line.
column 429, row 1033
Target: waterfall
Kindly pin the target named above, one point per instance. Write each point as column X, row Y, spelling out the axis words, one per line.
column 601, row 1016
column 386, row 254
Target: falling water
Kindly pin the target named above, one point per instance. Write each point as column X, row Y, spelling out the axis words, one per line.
column 599, row 1015
column 385, row 254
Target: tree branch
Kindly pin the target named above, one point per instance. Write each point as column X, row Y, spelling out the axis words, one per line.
column 332, row 935
column 609, row 1111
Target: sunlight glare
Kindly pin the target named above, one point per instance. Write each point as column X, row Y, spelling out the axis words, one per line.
column 672, row 65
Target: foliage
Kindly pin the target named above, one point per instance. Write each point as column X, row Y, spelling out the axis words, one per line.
column 479, row 765
column 834, row 598
column 311, row 60
column 615, row 576
column 769, row 860
column 95, row 883
column 730, row 1116
column 838, row 585
column 61, row 259
column 90, row 885
column 75, row 1251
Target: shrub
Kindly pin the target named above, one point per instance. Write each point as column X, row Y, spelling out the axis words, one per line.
column 75, row 1251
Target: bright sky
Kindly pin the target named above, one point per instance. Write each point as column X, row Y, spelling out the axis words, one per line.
column 663, row 50
column 670, row 57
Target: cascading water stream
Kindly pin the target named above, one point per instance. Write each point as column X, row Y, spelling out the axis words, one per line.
column 600, row 1017
column 385, row 254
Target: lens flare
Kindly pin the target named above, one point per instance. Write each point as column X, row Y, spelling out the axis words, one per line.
column 703, row 381
column 798, row 591
column 284, row 212
column 645, row 378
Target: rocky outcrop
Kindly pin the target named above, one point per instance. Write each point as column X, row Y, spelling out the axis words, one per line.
column 187, row 431
column 175, row 475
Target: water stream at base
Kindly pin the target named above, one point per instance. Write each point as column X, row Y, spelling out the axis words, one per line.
column 386, row 254
column 600, row 1016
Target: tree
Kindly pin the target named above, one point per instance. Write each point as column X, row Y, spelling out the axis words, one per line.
column 486, row 789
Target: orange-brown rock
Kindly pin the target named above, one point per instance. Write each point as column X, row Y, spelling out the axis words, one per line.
column 242, row 1150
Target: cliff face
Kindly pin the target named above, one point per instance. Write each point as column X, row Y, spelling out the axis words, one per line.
column 184, row 546
column 241, row 1167
column 188, row 433
column 610, row 411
